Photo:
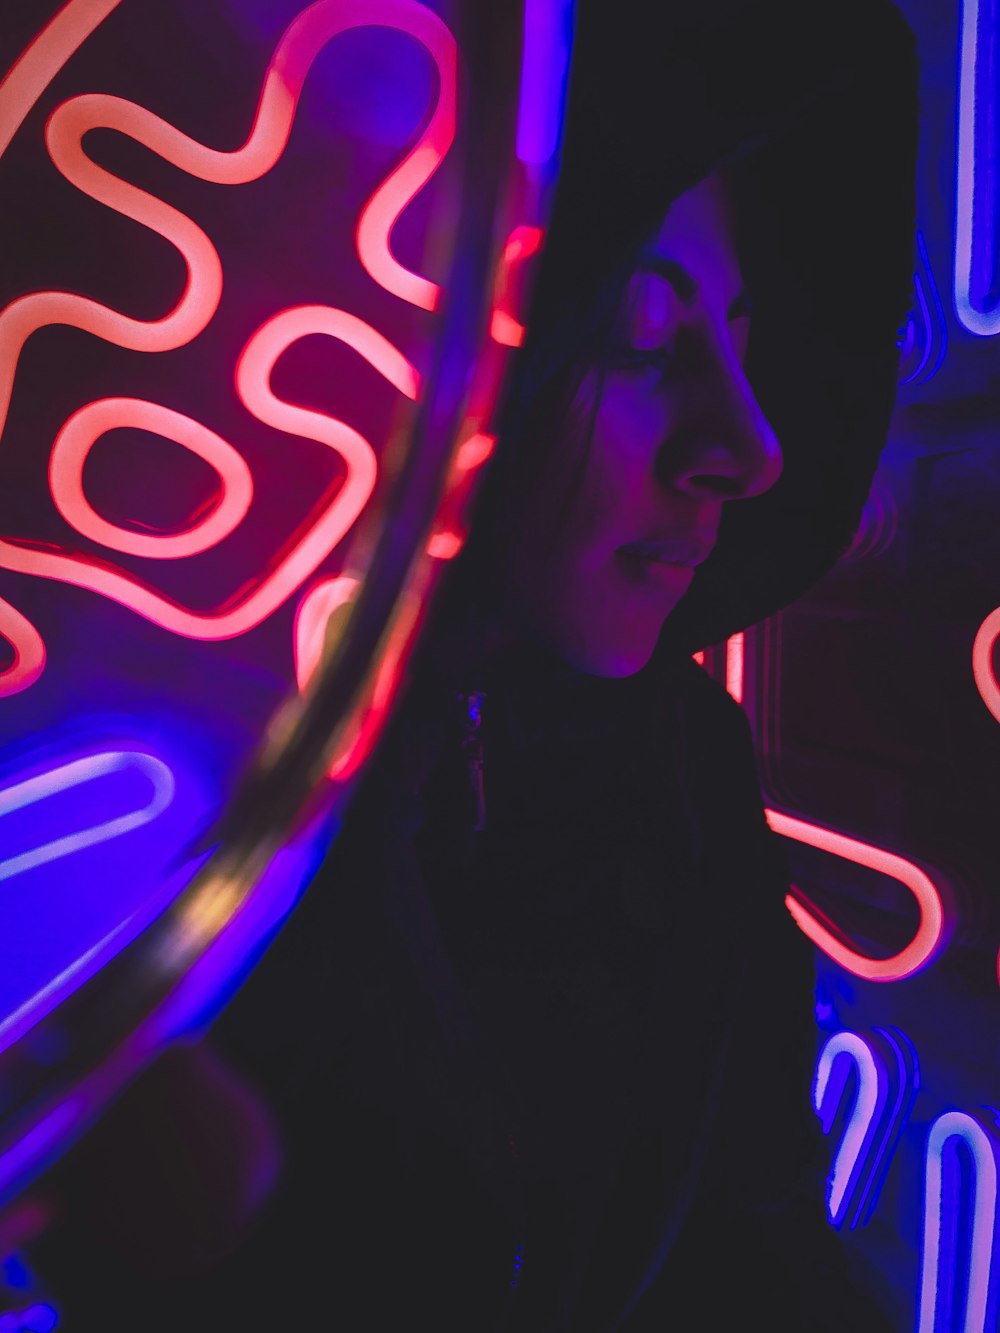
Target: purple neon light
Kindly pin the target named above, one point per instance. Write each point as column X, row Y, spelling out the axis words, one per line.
column 544, row 66
column 33, row 791
column 925, row 331
column 975, row 205
column 941, row 1222
column 836, row 1057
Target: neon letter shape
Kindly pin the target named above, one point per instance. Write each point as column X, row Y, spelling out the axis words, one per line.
column 954, row 1136
column 886, row 1074
column 976, row 176
column 929, row 935
column 79, row 435
column 32, row 792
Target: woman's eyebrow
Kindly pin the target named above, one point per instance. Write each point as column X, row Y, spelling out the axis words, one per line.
column 685, row 286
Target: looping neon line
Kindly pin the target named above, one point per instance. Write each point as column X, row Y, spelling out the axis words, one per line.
column 972, row 184
column 941, row 1221
column 77, row 773
column 885, row 1064
column 872, row 1092
column 522, row 243
column 29, row 651
column 282, row 85
column 80, row 434
column 929, row 934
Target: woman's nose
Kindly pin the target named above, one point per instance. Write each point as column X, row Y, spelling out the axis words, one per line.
column 722, row 445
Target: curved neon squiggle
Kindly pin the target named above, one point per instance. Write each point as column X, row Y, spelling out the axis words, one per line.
column 282, row 85
column 77, row 773
column 81, row 432
column 859, row 1133
column 940, row 1216
column 929, row 934
column 253, row 384
column 29, row 651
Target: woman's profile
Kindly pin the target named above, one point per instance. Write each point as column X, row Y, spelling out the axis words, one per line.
column 537, row 1044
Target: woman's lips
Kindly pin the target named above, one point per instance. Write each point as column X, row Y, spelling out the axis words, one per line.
column 668, row 565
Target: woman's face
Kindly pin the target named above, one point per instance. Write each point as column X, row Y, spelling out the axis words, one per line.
column 670, row 432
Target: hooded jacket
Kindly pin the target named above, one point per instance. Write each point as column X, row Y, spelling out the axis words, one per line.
column 554, row 1074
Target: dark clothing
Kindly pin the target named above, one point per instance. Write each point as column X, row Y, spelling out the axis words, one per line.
column 503, row 1062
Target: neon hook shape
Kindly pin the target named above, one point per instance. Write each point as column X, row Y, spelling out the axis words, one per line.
column 941, row 1222
column 929, row 935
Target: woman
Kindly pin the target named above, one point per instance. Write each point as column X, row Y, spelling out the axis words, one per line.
column 538, row 1040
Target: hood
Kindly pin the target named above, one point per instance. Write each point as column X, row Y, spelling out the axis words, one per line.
column 812, row 110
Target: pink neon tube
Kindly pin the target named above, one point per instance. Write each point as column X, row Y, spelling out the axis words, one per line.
column 929, row 934
column 29, row 651
column 282, row 86
column 982, row 662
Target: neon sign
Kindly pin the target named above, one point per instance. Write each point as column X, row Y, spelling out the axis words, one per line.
column 959, row 1144
column 976, row 172
column 29, row 794
column 886, row 1076
column 290, row 64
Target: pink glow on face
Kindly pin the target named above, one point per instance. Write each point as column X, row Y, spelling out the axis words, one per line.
column 929, row 935
column 77, row 773
column 80, row 434
column 311, row 620
column 522, row 243
column 843, row 1049
column 941, row 1221
column 29, row 651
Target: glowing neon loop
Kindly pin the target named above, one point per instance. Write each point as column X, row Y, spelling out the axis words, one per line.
column 940, row 1183
column 77, row 773
column 282, row 85
column 29, row 651
column 981, row 322
column 79, row 435
column 929, row 934
column 522, row 243
column 862, row 1123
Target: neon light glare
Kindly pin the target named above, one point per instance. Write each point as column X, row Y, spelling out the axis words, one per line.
column 29, row 651
column 975, row 178
column 311, row 621
column 928, row 329
column 37, row 1318
column 77, row 773
column 699, row 657
column 80, row 434
column 929, row 935
column 941, row 1222
column 734, row 667
column 474, row 452
column 522, row 243
column 544, row 66
column 445, row 545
